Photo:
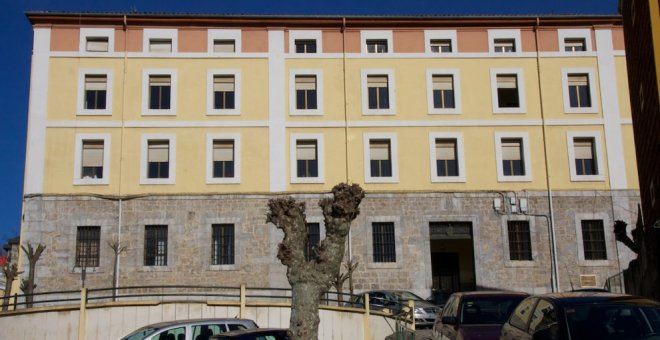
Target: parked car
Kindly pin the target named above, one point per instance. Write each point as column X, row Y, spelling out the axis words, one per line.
column 396, row 300
column 255, row 334
column 475, row 315
column 584, row 315
column 197, row 329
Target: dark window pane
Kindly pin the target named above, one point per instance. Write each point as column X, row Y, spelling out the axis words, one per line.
column 373, row 98
column 229, row 98
column 88, row 241
column 155, row 245
column 585, row 96
column 593, row 239
column 449, row 99
column 313, row 240
column 383, row 242
column 383, row 98
column 223, row 169
column 95, row 99
column 92, row 172
column 307, row 168
column 311, row 99
column 437, row 99
column 300, row 99
column 573, row 96
column 507, row 97
column 222, row 240
column 520, row 246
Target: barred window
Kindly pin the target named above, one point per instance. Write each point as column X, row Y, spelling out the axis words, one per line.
column 223, row 244
column 313, row 240
column 520, row 245
column 155, row 245
column 593, row 238
column 383, row 241
column 87, row 246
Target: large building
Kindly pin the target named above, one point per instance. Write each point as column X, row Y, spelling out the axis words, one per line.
column 496, row 152
column 642, row 35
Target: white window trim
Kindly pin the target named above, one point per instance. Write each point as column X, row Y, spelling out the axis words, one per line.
column 598, row 149
column 320, row 152
column 210, row 96
column 80, row 106
column 145, row 92
column 144, row 151
column 440, row 35
column 96, row 32
column 592, row 90
column 576, row 33
column 159, row 33
column 390, row 89
column 506, row 255
column 398, row 242
column 504, row 34
column 457, row 90
column 494, row 72
column 376, row 35
column 611, row 252
column 293, row 111
column 305, row 35
column 77, row 159
column 525, row 152
column 223, row 34
column 460, row 150
column 393, row 153
column 236, row 137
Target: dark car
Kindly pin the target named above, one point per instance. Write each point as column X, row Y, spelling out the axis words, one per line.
column 396, row 301
column 584, row 315
column 255, row 334
column 475, row 315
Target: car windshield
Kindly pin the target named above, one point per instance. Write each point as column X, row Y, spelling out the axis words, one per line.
column 488, row 310
column 405, row 296
column 612, row 321
column 141, row 333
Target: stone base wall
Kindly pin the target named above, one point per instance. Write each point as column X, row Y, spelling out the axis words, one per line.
column 53, row 221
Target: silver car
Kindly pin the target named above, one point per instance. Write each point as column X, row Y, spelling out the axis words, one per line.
column 197, row 329
column 396, row 300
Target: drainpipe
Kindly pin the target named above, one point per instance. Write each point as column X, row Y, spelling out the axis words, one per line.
column 121, row 148
column 554, row 275
column 343, row 50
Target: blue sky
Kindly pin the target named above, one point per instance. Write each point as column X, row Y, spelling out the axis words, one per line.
column 16, row 35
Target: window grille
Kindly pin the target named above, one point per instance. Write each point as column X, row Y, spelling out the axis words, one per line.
column 155, row 245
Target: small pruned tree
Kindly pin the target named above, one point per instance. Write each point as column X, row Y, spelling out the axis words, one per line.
column 342, row 277
column 33, row 255
column 311, row 279
column 117, row 249
column 11, row 273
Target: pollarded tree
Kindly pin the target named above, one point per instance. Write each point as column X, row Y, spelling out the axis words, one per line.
column 311, row 279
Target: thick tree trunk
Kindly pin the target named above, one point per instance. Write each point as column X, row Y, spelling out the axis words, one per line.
column 304, row 322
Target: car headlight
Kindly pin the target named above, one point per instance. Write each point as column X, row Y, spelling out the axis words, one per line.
column 419, row 310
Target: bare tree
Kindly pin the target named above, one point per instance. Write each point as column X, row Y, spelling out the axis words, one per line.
column 11, row 273
column 117, row 249
column 33, row 256
column 309, row 280
column 342, row 277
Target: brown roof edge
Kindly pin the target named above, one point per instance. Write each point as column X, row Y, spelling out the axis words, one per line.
column 169, row 20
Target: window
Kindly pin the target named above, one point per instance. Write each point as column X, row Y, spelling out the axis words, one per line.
column 223, row 158
column 97, row 40
column 520, row 316
column 158, row 159
column 377, row 86
column 504, row 45
column 512, row 153
column 585, row 157
column 305, row 46
column 96, row 86
column 88, row 241
column 504, row 41
column 508, row 91
column 376, row 46
column 446, row 157
column 593, row 238
column 224, row 41
column 383, row 242
column 380, row 158
column 443, row 92
column 94, row 92
column 574, row 40
column 579, row 91
column 575, row 45
column 224, row 46
column 159, row 92
column 307, row 158
column 222, row 239
column 155, row 245
column 544, row 318
column 520, row 245
column 91, row 161
column 378, row 92
column 313, row 240
column 441, row 46
column 377, row 42
column 224, row 91
column 306, row 92
column 158, row 40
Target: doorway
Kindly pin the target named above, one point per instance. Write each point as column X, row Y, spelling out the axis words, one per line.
column 452, row 256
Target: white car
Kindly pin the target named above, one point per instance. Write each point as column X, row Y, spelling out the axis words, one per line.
column 197, row 329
